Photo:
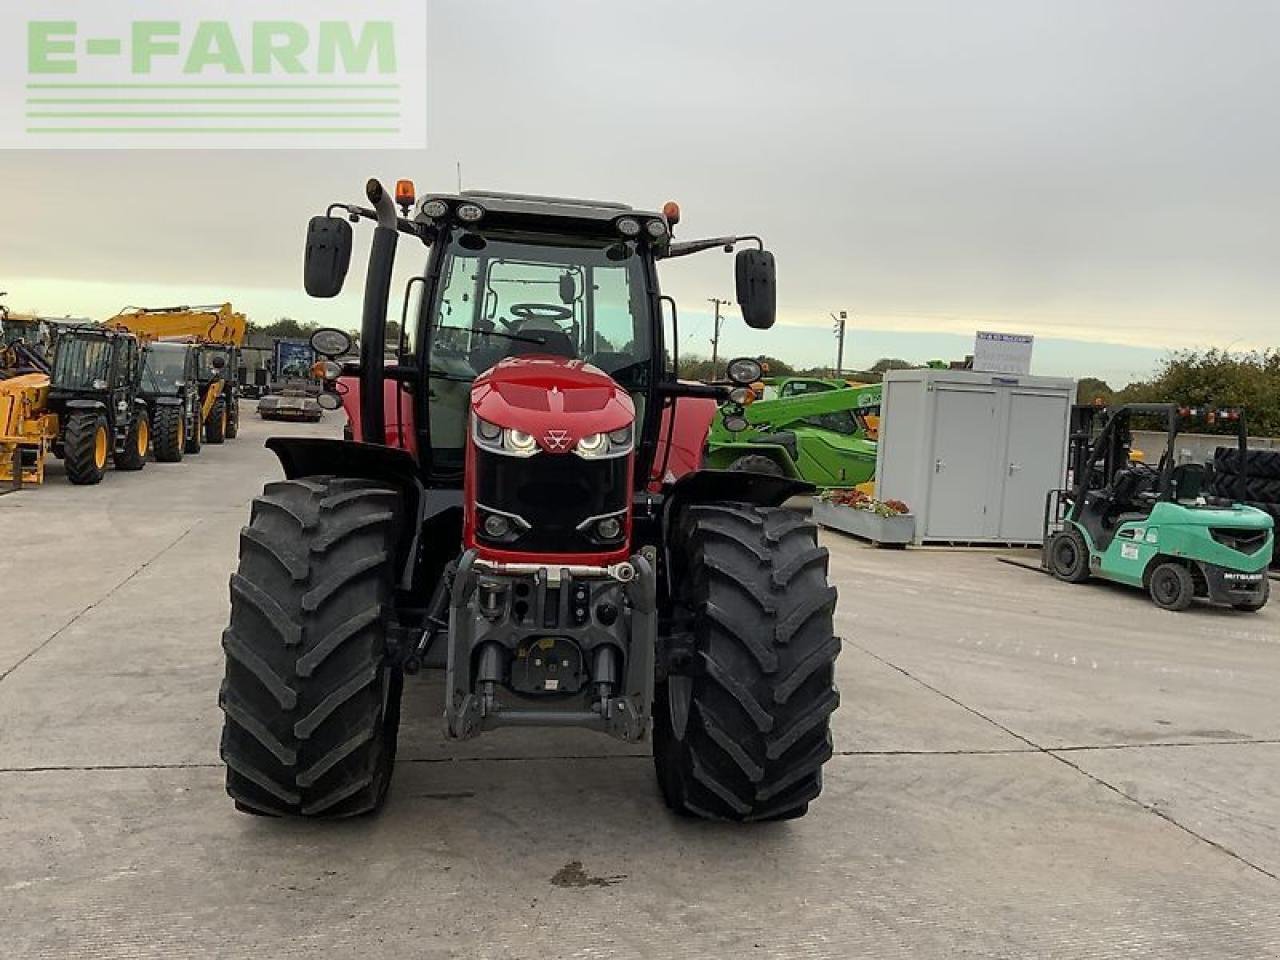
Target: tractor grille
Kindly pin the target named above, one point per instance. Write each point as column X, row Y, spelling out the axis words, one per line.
column 1244, row 541
column 553, row 494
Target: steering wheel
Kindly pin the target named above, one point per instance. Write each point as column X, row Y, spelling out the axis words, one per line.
column 539, row 311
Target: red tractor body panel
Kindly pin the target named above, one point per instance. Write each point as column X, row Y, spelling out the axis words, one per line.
column 686, row 434
column 400, row 425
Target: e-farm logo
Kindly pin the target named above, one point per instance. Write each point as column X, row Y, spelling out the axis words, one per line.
column 232, row 74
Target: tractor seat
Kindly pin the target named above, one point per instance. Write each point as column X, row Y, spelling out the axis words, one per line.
column 555, row 342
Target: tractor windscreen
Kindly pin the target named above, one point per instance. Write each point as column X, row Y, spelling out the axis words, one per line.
column 82, row 363
column 164, row 370
column 207, row 370
column 498, row 297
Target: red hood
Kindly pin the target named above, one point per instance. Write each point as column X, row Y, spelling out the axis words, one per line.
column 558, row 401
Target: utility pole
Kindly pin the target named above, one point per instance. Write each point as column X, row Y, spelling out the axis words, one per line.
column 839, row 331
column 715, row 340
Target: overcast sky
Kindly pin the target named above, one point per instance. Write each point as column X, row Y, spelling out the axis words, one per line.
column 1094, row 173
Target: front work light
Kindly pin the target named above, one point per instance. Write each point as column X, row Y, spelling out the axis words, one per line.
column 470, row 212
column 435, row 209
column 745, row 370
column 629, row 227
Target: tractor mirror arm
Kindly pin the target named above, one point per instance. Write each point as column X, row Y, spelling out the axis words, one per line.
column 685, row 247
column 356, row 213
column 702, row 391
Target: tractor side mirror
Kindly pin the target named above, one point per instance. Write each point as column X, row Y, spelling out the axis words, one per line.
column 757, row 291
column 328, row 256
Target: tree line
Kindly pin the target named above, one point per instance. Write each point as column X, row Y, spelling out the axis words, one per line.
column 1207, row 379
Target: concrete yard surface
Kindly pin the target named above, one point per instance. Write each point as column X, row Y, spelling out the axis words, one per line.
column 1024, row 769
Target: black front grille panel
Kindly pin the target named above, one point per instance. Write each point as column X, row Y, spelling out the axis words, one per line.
column 553, row 494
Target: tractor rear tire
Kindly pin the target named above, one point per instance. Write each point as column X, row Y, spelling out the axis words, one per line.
column 312, row 705
column 1069, row 556
column 1172, row 587
column 744, row 735
column 1262, row 463
column 233, row 420
column 167, row 441
column 86, row 444
column 215, row 428
column 756, row 463
column 137, row 444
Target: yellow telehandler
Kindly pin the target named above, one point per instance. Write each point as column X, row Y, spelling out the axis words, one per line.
column 219, row 332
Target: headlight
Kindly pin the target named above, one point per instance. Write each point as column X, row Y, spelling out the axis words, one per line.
column 512, row 443
column 601, row 446
column 470, row 212
column 744, row 370
column 435, row 209
column 629, row 227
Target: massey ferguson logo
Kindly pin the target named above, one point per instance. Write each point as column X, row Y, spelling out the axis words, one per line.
column 557, row 440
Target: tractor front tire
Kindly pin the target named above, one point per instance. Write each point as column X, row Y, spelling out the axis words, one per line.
column 233, row 420
column 756, row 463
column 137, row 444
column 86, row 445
column 1069, row 556
column 312, row 706
column 215, row 428
column 168, row 440
column 1172, row 587
column 744, row 733
column 195, row 442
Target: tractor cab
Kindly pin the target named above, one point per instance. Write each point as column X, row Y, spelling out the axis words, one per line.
column 1156, row 527
column 93, row 390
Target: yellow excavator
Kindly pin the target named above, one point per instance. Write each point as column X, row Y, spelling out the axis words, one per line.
column 219, row 331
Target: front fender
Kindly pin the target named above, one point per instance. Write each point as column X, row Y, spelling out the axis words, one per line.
column 314, row 456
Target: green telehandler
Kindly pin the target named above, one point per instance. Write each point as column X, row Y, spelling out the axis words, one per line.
column 822, row 437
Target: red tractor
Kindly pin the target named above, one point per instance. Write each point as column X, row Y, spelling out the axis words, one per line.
column 520, row 504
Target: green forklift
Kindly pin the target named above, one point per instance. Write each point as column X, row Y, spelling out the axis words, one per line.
column 1155, row 528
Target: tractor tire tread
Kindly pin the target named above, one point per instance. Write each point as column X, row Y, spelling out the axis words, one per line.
column 757, row 730
column 310, row 702
column 166, row 437
column 79, row 441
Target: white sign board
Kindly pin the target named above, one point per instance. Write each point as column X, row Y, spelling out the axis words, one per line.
column 1002, row 352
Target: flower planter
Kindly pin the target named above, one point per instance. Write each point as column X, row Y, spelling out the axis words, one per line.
column 895, row 531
